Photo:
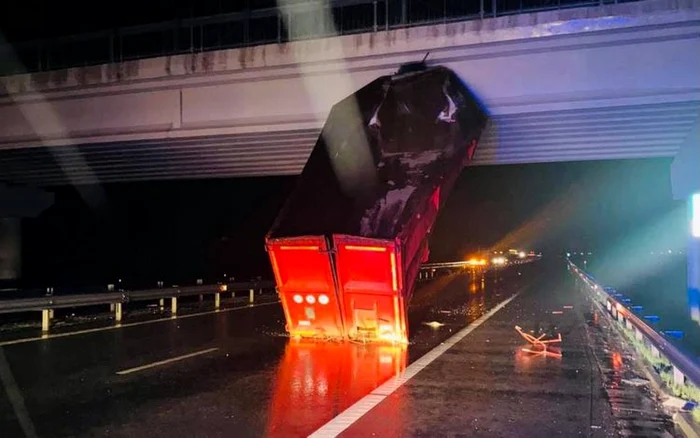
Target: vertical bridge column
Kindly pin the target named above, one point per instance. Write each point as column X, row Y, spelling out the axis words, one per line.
column 694, row 246
column 685, row 182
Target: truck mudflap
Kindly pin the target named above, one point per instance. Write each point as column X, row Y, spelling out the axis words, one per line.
column 303, row 269
column 370, row 284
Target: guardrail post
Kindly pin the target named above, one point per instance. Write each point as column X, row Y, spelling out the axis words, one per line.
column 678, row 377
column 217, row 300
column 655, row 351
column 252, row 295
column 45, row 320
column 173, row 305
column 118, row 312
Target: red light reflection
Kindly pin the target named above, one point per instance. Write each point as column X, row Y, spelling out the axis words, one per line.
column 318, row 380
column 617, row 361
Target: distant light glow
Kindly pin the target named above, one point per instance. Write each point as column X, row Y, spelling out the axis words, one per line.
column 498, row 261
column 695, row 215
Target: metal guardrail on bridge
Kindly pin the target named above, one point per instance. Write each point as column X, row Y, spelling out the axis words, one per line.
column 292, row 21
column 116, row 299
column 683, row 367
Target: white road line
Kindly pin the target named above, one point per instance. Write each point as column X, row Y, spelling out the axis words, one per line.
column 132, row 324
column 166, row 361
column 349, row 416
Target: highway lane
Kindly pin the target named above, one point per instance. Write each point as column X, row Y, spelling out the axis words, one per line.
column 220, row 373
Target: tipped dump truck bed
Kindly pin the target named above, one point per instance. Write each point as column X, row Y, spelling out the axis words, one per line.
column 366, row 203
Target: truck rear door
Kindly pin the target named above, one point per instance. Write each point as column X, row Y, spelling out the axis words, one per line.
column 369, row 279
column 304, row 275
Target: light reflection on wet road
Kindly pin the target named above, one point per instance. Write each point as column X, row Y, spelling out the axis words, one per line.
column 252, row 381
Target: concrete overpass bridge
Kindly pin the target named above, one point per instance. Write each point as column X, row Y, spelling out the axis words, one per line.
column 596, row 82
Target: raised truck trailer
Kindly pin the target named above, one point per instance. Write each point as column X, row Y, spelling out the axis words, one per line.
column 347, row 245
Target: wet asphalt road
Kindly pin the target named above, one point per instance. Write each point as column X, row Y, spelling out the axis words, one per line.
column 485, row 385
column 245, row 378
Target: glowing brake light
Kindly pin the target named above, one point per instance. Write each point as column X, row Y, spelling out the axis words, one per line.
column 299, row 248
column 310, row 299
column 365, row 248
column 323, row 299
column 298, row 299
column 394, row 276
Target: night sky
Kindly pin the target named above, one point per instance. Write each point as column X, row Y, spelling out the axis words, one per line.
column 182, row 230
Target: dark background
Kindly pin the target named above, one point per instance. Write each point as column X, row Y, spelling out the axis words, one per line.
column 178, row 231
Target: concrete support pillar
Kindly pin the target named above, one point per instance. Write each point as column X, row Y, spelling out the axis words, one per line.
column 233, row 294
column 608, row 306
column 111, row 307
column 17, row 203
column 628, row 324
column 45, row 320
column 252, row 296
column 620, row 318
column 201, row 298
column 217, row 300
column 693, row 253
column 173, row 305
column 118, row 312
column 10, row 248
column 638, row 335
column 161, row 304
column 685, row 185
column 678, row 377
column 51, row 314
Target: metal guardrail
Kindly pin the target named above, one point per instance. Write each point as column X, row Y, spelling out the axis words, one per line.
column 116, row 299
column 683, row 367
column 295, row 20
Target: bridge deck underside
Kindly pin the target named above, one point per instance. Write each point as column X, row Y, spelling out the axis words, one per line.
column 622, row 132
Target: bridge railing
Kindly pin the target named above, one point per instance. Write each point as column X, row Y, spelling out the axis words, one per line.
column 680, row 372
column 296, row 20
column 116, row 300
